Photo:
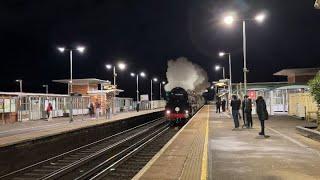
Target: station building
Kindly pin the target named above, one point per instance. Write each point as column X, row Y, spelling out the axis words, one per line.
column 284, row 97
column 16, row 106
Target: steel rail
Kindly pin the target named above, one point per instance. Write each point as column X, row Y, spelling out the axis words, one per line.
column 76, row 149
column 124, row 154
column 64, row 170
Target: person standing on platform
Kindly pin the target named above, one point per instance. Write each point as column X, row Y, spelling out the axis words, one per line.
column 138, row 106
column 223, row 105
column 49, row 111
column 218, row 105
column 98, row 107
column 91, row 110
column 262, row 113
column 247, row 110
column 235, row 105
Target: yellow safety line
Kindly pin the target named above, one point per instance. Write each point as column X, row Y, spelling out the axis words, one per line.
column 205, row 150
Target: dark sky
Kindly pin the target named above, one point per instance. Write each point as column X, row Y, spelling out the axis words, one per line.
column 147, row 33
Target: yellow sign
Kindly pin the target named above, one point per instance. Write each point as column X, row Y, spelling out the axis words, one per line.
column 109, row 87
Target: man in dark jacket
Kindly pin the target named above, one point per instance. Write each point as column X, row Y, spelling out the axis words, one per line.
column 247, row 111
column 235, row 105
column 223, row 104
column 218, row 105
column 262, row 113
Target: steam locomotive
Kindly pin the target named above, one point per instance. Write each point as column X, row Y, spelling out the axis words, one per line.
column 181, row 105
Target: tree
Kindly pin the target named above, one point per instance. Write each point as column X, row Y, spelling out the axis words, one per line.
column 314, row 85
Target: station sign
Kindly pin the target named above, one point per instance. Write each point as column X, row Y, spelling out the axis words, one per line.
column 144, row 97
column 108, row 86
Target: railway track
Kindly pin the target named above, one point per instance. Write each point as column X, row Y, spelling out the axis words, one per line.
column 128, row 167
column 97, row 159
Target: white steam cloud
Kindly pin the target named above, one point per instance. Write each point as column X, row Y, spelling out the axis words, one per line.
column 183, row 73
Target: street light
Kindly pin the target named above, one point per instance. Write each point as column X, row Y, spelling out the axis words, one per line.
column 47, row 88
column 152, row 80
column 230, row 20
column 221, row 54
column 20, row 84
column 142, row 74
column 217, row 68
column 80, row 49
column 162, row 83
column 120, row 65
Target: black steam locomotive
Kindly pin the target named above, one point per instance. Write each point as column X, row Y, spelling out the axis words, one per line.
column 181, row 105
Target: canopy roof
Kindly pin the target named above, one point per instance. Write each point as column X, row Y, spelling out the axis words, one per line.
column 294, row 87
column 84, row 81
column 297, row 72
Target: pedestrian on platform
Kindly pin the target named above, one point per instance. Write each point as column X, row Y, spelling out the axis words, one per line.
column 108, row 111
column 138, row 106
column 235, row 106
column 262, row 113
column 49, row 111
column 98, row 107
column 91, row 110
column 223, row 105
column 247, row 111
column 218, row 105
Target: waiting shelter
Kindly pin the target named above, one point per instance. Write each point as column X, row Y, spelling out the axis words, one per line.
column 16, row 106
column 100, row 92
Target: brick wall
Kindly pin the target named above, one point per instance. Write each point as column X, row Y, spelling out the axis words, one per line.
column 303, row 79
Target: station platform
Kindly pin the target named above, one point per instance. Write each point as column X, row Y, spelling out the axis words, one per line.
column 208, row 148
column 19, row 132
column 185, row 155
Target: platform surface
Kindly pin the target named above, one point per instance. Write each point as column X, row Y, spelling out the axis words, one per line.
column 29, row 130
column 244, row 155
column 185, row 156
column 236, row 154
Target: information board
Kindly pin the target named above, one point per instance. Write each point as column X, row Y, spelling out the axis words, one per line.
column 13, row 105
column 144, row 97
column 1, row 105
column 6, row 105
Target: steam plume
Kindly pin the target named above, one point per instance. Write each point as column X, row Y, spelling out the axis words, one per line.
column 183, row 73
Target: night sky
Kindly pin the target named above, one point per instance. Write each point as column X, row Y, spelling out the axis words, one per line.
column 146, row 34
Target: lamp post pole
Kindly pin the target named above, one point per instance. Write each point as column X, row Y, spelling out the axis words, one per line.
column 230, row 77
column 245, row 70
column 160, row 91
column 20, row 84
column 137, row 78
column 47, row 88
column 114, row 75
column 223, row 73
column 70, row 71
column 151, row 90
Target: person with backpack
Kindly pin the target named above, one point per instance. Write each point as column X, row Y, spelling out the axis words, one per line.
column 262, row 113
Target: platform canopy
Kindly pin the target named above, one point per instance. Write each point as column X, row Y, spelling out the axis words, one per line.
column 293, row 87
column 84, row 81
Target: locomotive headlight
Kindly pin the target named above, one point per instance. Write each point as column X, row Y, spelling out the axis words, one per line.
column 177, row 109
column 168, row 111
